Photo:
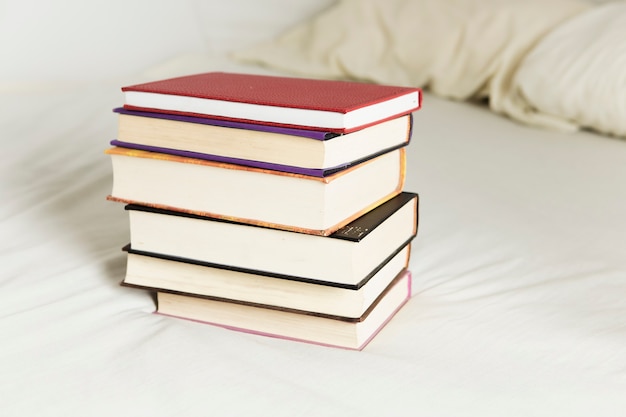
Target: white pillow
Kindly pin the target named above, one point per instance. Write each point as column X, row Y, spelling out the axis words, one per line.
column 457, row 48
column 576, row 75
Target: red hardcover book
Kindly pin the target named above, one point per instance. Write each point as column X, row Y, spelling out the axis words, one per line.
column 335, row 106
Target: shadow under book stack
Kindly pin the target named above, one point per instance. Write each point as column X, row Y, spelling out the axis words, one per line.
column 270, row 205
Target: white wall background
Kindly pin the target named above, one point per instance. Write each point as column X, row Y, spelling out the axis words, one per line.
column 67, row 40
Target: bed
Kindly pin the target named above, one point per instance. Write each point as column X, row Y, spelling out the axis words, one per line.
column 519, row 265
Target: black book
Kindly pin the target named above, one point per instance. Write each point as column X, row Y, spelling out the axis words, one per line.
column 346, row 259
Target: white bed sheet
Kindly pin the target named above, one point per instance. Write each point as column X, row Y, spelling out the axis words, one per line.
column 519, row 280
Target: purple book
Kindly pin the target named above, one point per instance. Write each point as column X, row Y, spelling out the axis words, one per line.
column 310, row 134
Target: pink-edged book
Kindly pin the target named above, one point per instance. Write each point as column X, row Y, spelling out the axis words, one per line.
column 294, row 325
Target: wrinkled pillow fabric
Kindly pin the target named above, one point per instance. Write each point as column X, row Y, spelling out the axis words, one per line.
column 461, row 49
column 576, row 75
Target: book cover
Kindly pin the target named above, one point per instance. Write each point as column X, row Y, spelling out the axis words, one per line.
column 283, row 101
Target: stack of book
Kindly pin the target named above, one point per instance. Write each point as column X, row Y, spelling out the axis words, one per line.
column 271, row 205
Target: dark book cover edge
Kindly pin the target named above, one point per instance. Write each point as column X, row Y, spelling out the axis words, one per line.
column 270, row 274
column 314, row 172
column 354, row 231
column 361, row 318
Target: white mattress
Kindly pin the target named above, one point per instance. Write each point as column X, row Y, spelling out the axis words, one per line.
column 519, row 283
